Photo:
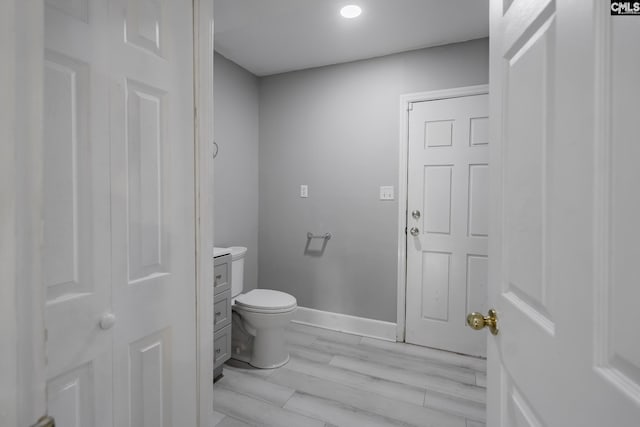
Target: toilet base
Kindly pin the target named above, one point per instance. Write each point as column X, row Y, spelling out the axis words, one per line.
column 277, row 365
column 241, row 340
column 262, row 348
column 269, row 348
column 245, row 350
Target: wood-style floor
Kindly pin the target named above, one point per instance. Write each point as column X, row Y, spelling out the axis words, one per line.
column 336, row 379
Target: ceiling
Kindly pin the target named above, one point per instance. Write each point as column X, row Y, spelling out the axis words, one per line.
column 274, row 36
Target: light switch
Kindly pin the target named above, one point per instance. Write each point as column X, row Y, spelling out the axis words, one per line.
column 386, row 192
column 304, row 191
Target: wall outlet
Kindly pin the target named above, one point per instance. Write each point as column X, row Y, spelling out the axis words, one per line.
column 304, row 191
column 386, row 192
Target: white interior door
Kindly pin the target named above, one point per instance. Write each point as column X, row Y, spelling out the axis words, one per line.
column 447, row 221
column 563, row 226
column 152, row 205
column 77, row 253
column 119, row 253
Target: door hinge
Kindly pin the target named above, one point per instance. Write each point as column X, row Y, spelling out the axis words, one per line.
column 410, row 107
column 45, row 421
column 406, row 230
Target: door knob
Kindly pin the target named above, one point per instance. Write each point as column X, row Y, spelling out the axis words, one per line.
column 477, row 321
column 107, row 321
column 414, row 231
column 415, row 214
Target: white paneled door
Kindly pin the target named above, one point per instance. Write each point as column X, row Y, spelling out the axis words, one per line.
column 119, row 249
column 564, row 218
column 447, row 221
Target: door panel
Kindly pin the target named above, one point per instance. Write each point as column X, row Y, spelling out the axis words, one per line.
column 528, row 99
column 448, row 184
column 477, row 289
column 563, row 232
column 145, row 135
column 145, row 25
column 519, row 412
column 478, row 219
column 437, row 199
column 76, row 251
column 152, row 207
column 71, row 397
column 150, row 376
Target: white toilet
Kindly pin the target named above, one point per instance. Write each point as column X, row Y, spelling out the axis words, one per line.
column 259, row 319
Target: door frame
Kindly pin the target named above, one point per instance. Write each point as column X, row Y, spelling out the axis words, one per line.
column 22, row 304
column 22, row 357
column 203, row 49
column 403, row 176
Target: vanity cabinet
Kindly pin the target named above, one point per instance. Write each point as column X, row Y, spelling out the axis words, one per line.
column 221, row 312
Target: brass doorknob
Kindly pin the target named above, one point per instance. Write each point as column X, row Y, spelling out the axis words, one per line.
column 477, row 321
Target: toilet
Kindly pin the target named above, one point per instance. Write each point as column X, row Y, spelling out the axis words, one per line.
column 258, row 319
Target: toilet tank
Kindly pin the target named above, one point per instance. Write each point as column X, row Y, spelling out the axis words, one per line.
column 237, row 269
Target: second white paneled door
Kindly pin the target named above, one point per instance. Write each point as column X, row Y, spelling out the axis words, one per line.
column 119, row 213
column 447, row 222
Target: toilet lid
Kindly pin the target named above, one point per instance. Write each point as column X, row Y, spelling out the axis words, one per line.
column 266, row 299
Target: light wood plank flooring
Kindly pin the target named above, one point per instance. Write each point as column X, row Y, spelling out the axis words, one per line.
column 336, row 379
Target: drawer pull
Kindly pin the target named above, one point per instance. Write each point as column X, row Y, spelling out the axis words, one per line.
column 218, row 350
column 218, row 276
column 218, row 313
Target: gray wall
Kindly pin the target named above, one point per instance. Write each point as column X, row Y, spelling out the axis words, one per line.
column 336, row 129
column 236, row 167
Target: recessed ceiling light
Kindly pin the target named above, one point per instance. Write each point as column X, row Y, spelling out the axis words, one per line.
column 351, row 11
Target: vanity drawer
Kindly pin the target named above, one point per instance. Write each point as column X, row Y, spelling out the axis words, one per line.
column 222, row 346
column 222, row 310
column 221, row 274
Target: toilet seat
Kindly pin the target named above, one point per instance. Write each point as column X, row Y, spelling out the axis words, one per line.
column 265, row 301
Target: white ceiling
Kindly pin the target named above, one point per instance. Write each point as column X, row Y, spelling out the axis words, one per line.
column 274, row 36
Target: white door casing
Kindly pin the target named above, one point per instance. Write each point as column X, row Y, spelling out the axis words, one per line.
column 448, row 190
column 22, row 358
column 119, row 213
column 563, row 223
column 203, row 71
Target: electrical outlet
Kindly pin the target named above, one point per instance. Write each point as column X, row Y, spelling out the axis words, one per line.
column 304, row 191
column 386, row 192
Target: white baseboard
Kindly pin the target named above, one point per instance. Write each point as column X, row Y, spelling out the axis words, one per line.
column 345, row 323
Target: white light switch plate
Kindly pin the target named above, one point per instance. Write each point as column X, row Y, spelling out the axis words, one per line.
column 386, row 192
column 304, row 191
